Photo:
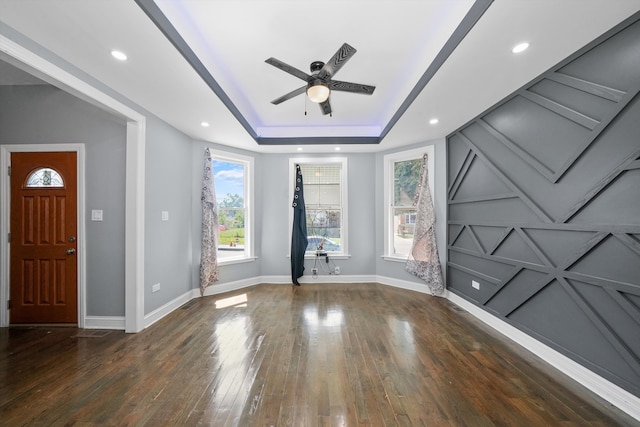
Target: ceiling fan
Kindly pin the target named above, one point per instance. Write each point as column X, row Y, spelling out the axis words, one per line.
column 320, row 83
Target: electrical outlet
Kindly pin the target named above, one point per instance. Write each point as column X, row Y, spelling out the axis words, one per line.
column 475, row 285
column 314, row 271
column 155, row 288
column 337, row 270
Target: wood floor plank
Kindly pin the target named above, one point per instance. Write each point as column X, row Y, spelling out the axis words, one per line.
column 272, row 355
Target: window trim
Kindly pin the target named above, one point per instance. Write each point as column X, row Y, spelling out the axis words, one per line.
column 248, row 162
column 344, row 220
column 389, row 160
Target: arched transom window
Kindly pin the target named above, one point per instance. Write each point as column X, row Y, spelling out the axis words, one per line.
column 45, row 177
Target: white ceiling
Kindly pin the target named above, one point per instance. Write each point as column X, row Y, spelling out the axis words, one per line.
column 396, row 42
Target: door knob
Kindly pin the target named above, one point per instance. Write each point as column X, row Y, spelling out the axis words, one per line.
column 71, row 251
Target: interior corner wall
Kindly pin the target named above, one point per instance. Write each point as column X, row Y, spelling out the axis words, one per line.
column 544, row 208
column 44, row 114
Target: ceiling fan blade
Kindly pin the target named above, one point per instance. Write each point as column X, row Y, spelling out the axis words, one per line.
column 351, row 87
column 325, row 107
column 289, row 95
column 288, row 69
column 337, row 61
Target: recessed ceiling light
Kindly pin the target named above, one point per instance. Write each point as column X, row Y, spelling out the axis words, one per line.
column 337, row 148
column 119, row 55
column 433, row 121
column 204, row 124
column 520, row 47
column 299, row 148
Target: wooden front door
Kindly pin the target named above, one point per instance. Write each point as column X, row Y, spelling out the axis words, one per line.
column 43, row 267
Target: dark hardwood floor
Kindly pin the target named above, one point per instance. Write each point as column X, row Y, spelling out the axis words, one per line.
column 273, row 355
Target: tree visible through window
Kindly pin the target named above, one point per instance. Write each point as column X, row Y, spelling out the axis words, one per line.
column 402, row 172
column 405, row 181
column 231, row 194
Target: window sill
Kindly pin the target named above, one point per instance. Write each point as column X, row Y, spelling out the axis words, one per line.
column 331, row 256
column 237, row 260
column 394, row 258
column 340, row 256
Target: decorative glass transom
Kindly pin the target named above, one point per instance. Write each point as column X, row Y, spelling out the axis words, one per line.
column 45, row 177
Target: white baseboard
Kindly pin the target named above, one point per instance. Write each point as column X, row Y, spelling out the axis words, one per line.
column 221, row 288
column 612, row 393
column 321, row 278
column 405, row 284
column 104, row 322
column 159, row 313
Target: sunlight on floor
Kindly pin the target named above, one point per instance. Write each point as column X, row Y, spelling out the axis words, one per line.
column 234, row 301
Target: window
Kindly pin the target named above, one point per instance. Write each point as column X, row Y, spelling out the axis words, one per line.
column 401, row 174
column 325, row 187
column 45, row 177
column 410, row 218
column 232, row 179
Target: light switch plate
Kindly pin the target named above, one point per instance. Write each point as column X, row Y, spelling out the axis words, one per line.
column 165, row 215
column 96, row 215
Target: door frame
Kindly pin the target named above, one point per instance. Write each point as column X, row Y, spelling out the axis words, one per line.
column 53, row 70
column 5, row 199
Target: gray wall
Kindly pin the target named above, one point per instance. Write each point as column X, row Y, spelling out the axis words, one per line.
column 361, row 200
column 277, row 208
column 43, row 114
column 272, row 209
column 544, row 208
column 274, row 246
column 168, row 244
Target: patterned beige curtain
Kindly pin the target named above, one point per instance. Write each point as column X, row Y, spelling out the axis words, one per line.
column 209, row 253
column 423, row 259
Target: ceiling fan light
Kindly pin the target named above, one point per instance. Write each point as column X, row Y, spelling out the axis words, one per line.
column 318, row 92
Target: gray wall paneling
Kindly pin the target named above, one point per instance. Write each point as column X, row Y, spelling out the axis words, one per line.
column 544, row 208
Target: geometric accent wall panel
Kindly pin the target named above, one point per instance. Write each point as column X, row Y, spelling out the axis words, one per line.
column 559, row 246
column 522, row 286
column 515, row 247
column 610, row 260
column 480, row 181
column 543, row 208
column 616, row 203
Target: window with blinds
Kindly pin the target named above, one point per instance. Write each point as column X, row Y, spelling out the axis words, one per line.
column 322, row 198
column 324, row 182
